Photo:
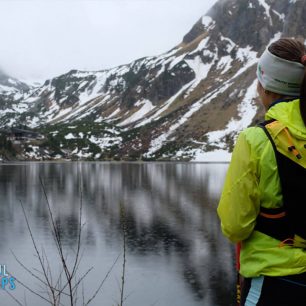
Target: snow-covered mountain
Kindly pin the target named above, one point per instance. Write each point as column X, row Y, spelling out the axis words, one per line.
column 12, row 94
column 189, row 103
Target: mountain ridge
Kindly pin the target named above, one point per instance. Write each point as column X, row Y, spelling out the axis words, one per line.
column 186, row 104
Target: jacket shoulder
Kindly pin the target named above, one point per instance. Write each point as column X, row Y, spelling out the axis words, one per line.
column 255, row 136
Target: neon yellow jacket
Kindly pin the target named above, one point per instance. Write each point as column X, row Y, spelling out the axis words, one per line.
column 252, row 181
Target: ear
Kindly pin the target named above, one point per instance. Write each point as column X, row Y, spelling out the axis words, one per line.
column 260, row 89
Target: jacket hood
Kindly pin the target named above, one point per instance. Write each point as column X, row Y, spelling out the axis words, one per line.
column 289, row 114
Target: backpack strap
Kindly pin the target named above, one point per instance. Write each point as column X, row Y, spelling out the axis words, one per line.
column 274, row 222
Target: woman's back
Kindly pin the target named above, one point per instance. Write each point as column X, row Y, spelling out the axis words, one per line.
column 259, row 207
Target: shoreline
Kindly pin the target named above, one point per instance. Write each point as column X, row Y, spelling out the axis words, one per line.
column 9, row 163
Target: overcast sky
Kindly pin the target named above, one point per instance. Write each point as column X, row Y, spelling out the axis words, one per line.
column 44, row 38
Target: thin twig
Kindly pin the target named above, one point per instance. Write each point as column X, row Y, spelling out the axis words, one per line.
column 79, row 233
column 82, row 277
column 31, row 290
column 123, row 217
column 27, row 269
column 103, row 281
column 83, row 295
column 25, row 298
column 36, row 249
column 59, row 244
column 48, row 263
column 67, row 276
column 13, row 297
column 34, row 275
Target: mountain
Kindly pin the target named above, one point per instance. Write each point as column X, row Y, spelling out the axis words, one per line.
column 186, row 104
column 12, row 94
column 9, row 84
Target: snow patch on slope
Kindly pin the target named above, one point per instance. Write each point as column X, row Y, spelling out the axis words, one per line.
column 225, row 63
column 88, row 95
column 105, row 142
column 166, row 105
column 280, row 16
column 230, row 44
column 211, row 157
column 70, row 136
column 62, row 113
column 7, row 89
column 176, row 61
column 208, row 22
column 202, row 45
column 246, row 111
column 146, row 107
column 111, row 116
column 276, row 37
column 248, row 57
column 200, row 69
column 267, row 10
column 157, row 143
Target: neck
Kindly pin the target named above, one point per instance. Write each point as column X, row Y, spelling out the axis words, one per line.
column 282, row 99
column 273, row 98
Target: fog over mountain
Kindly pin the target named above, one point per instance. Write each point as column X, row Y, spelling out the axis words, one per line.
column 89, row 35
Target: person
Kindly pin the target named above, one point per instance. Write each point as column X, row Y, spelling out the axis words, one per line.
column 263, row 204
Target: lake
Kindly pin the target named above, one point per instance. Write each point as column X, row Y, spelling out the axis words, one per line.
column 160, row 216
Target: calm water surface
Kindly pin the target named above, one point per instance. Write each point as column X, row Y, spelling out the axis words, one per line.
column 175, row 252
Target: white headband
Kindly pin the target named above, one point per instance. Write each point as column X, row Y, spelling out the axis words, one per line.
column 279, row 75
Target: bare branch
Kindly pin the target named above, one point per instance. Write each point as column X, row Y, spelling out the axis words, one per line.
column 36, row 249
column 32, row 291
column 13, row 297
column 81, row 278
column 58, row 243
column 103, row 281
column 25, row 298
column 27, row 269
column 123, row 218
column 79, row 233
column 67, row 282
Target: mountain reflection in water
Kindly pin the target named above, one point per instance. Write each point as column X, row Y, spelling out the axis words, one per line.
column 176, row 254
